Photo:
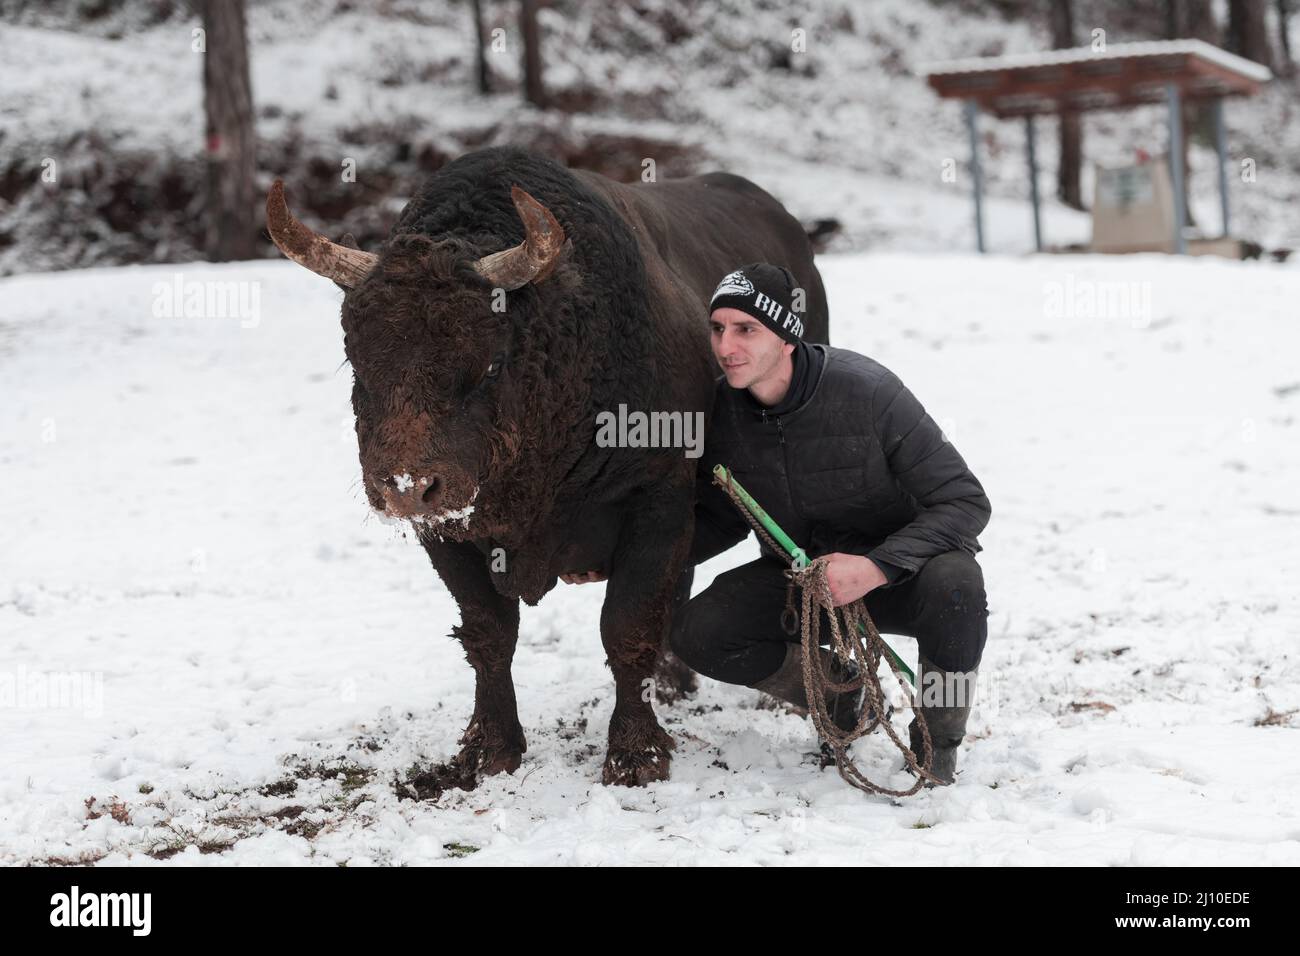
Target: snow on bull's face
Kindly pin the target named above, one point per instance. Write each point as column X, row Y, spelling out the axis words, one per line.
column 437, row 414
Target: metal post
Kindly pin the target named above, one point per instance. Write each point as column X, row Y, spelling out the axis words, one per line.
column 1221, row 144
column 1033, row 183
column 1176, row 164
column 972, row 110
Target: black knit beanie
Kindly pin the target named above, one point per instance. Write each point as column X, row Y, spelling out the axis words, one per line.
column 767, row 293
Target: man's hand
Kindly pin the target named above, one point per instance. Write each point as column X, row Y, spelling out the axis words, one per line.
column 582, row 577
column 851, row 576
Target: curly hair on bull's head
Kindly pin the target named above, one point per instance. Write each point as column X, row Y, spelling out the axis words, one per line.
column 506, row 308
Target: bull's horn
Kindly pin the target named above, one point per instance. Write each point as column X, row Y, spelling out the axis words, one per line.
column 345, row 266
column 534, row 258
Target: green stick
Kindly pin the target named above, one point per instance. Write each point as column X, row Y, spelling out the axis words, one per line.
column 797, row 554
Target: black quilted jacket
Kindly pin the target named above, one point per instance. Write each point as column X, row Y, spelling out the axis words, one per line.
column 859, row 468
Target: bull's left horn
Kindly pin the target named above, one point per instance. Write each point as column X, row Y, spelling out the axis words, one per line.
column 345, row 266
column 534, row 258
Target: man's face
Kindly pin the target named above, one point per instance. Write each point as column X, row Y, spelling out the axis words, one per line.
column 747, row 350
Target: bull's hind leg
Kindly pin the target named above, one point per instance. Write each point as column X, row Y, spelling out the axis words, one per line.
column 647, row 565
column 489, row 629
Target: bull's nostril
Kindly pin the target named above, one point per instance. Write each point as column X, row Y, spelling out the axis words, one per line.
column 431, row 493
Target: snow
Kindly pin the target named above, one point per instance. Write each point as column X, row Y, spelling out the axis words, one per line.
column 453, row 514
column 185, row 530
column 1116, row 51
column 850, row 130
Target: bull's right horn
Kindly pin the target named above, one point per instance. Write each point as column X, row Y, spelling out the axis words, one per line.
column 345, row 266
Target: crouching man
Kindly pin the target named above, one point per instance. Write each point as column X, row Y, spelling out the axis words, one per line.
column 845, row 459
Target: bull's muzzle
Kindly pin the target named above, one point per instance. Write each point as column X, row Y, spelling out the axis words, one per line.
column 406, row 496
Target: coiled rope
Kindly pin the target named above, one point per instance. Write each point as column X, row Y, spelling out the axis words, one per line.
column 849, row 624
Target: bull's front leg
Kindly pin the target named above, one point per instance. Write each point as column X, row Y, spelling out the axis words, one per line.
column 489, row 630
column 652, row 550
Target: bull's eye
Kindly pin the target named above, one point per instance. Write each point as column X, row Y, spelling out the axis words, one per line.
column 491, row 372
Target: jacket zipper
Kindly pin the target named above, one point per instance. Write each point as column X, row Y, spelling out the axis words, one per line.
column 779, row 433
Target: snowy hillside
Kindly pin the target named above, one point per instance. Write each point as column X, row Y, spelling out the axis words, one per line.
column 847, row 128
column 255, row 660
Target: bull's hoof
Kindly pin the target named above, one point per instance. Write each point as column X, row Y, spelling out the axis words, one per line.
column 483, row 761
column 488, row 748
column 627, row 767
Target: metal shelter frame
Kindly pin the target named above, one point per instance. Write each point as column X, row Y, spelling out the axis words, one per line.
column 1120, row 76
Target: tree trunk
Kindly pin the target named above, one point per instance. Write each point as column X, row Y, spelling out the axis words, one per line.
column 231, row 226
column 1286, row 64
column 1069, row 188
column 1191, row 19
column 1199, row 22
column 480, row 52
column 1248, row 31
column 533, row 91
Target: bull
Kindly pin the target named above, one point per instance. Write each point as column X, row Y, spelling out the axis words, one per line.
column 513, row 302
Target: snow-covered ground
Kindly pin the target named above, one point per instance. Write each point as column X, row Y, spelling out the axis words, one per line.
column 189, row 561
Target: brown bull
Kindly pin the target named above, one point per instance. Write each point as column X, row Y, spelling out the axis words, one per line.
column 513, row 303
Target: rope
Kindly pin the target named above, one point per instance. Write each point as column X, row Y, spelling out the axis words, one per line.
column 847, row 644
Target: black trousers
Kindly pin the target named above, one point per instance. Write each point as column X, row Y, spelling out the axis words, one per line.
column 732, row 630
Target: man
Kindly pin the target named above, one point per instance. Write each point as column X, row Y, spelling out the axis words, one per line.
column 844, row 458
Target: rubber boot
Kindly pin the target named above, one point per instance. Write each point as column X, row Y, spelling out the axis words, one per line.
column 946, row 709
column 787, row 685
